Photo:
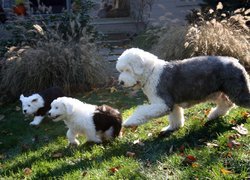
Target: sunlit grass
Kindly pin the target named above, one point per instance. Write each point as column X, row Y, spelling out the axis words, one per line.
column 42, row 153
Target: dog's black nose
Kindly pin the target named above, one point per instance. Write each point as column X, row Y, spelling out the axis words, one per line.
column 24, row 111
column 121, row 83
column 49, row 114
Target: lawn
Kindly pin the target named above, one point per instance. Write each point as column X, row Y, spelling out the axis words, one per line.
column 200, row 150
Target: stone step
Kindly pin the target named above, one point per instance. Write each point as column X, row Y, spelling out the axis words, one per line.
column 117, row 25
column 114, row 42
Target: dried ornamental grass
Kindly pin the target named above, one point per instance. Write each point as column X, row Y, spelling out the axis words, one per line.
column 227, row 37
column 73, row 65
column 170, row 45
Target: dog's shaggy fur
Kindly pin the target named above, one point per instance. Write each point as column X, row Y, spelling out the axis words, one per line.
column 38, row 104
column 98, row 123
column 172, row 86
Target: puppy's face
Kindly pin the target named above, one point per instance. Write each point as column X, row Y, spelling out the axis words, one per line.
column 60, row 109
column 31, row 104
column 131, row 68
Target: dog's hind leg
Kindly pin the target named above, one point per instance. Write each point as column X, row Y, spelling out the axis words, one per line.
column 223, row 107
column 176, row 121
column 92, row 136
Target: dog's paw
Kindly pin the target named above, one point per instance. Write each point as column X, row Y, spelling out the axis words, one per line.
column 129, row 123
column 74, row 143
column 34, row 123
column 165, row 133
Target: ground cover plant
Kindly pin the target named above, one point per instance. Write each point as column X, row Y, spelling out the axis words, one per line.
column 200, row 150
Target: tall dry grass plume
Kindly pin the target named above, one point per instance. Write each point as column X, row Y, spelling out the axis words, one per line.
column 52, row 58
column 213, row 33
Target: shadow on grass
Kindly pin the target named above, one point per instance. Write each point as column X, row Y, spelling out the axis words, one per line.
column 153, row 149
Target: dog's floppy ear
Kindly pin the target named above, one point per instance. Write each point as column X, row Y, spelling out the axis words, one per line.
column 69, row 108
column 137, row 64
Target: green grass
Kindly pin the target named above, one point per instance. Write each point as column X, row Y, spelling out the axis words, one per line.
column 43, row 153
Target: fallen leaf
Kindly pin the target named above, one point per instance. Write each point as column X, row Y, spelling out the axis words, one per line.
column 189, row 159
column 229, row 154
column 195, row 165
column 182, row 154
column 113, row 89
column 212, row 145
column 114, row 169
column 130, row 154
column 241, row 129
column 182, row 148
column 34, row 139
column 246, row 115
column 232, row 143
column 27, row 171
column 150, row 134
column 133, row 128
column 57, row 155
column 148, row 163
column 138, row 142
column 234, row 136
column 171, row 149
column 18, row 108
column 2, row 117
column 2, row 156
column 219, row 6
column 25, row 147
column 84, row 173
column 233, row 122
column 225, row 171
column 207, row 111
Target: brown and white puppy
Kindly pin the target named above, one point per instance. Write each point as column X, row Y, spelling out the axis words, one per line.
column 98, row 123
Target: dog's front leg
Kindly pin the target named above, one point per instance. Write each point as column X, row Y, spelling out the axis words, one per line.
column 146, row 112
column 37, row 120
column 72, row 138
column 176, row 121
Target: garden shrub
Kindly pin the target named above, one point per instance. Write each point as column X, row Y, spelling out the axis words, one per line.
column 209, row 35
column 52, row 58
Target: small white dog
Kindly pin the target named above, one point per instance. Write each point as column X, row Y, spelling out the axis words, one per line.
column 172, row 86
column 38, row 104
column 98, row 123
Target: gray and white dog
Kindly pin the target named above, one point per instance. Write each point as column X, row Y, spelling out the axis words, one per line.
column 172, row 86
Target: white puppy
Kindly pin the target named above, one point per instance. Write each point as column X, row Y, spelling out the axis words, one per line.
column 38, row 104
column 98, row 123
column 172, row 86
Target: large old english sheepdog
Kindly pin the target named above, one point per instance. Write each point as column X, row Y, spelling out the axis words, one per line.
column 172, row 86
column 38, row 104
column 98, row 123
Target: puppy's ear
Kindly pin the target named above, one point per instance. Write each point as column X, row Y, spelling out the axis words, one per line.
column 69, row 108
column 137, row 64
column 21, row 97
